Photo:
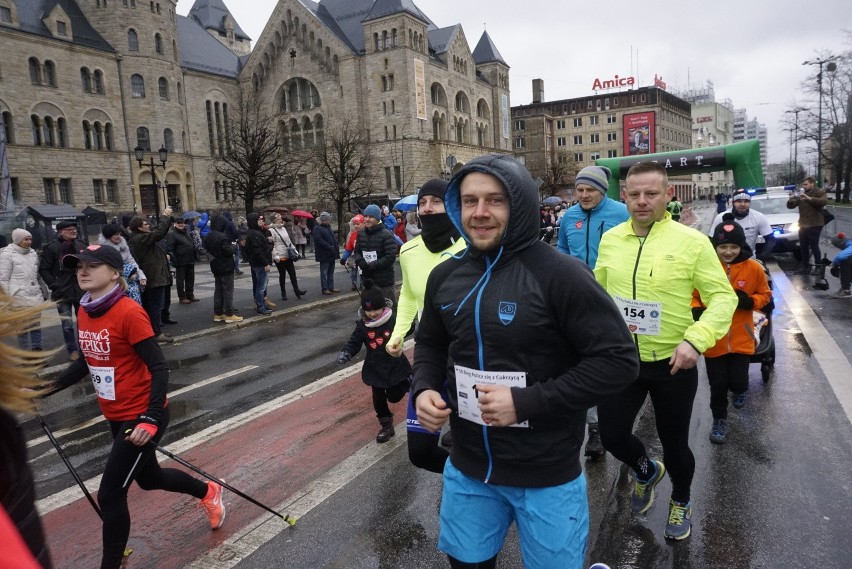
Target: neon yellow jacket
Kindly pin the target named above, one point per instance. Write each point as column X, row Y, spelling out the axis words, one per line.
column 416, row 262
column 673, row 261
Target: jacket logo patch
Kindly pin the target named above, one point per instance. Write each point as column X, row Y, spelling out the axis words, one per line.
column 506, row 311
column 579, row 224
column 741, row 284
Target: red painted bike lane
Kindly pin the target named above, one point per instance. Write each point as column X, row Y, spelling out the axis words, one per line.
column 269, row 458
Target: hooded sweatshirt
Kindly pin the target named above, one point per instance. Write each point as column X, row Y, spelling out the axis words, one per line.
column 219, row 246
column 258, row 248
column 523, row 307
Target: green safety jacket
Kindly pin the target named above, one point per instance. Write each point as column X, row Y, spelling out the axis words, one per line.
column 665, row 267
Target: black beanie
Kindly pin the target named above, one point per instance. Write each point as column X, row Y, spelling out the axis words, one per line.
column 372, row 297
column 729, row 232
column 433, row 187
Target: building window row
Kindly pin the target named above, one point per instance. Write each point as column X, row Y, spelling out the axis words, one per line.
column 92, row 82
column 48, row 131
column 218, row 128
column 299, row 94
column 305, row 133
column 42, row 73
column 97, row 136
column 385, row 39
column 133, row 41
column 57, row 190
column 460, row 65
column 104, row 191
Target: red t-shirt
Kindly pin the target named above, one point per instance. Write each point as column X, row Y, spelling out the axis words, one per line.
column 121, row 379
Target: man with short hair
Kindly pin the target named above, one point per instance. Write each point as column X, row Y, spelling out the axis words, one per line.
column 526, row 341
column 753, row 223
column 580, row 233
column 258, row 253
column 145, row 246
column 375, row 251
column 811, row 221
column 62, row 282
column 651, row 264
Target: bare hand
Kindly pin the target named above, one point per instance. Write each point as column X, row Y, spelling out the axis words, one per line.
column 167, row 211
column 394, row 347
column 143, row 282
column 139, row 437
column 496, row 405
column 432, row 410
column 267, row 268
column 684, row 357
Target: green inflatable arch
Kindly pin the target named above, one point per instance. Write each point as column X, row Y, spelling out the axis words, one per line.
column 743, row 158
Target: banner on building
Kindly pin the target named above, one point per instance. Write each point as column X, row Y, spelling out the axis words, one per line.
column 504, row 114
column 420, row 88
column 639, row 129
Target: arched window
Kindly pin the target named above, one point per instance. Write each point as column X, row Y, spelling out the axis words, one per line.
column 298, row 94
column 86, row 79
column 87, row 135
column 98, row 137
column 35, row 71
column 163, row 85
column 108, row 136
column 137, row 85
column 36, row 124
column 308, row 132
column 47, row 129
column 132, row 40
column 61, row 133
column 158, row 43
column 180, row 93
column 99, row 82
column 183, row 141
column 8, row 128
column 376, row 44
column 143, row 139
column 49, row 73
column 169, row 140
column 319, row 131
column 394, row 38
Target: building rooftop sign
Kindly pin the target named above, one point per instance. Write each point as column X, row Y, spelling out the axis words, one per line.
column 615, row 83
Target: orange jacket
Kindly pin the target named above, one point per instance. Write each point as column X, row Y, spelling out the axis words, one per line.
column 750, row 277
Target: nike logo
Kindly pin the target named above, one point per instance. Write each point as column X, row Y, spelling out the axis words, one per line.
column 446, row 306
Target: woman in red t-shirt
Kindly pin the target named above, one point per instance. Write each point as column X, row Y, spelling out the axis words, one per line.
column 130, row 377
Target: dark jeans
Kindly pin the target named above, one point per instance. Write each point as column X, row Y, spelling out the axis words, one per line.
column 223, row 294
column 185, row 277
column 259, row 280
column 67, row 311
column 728, row 372
column 126, row 463
column 30, row 340
column 672, row 397
column 809, row 243
column 288, row 267
column 152, row 302
column 327, row 274
column 167, row 302
column 846, row 273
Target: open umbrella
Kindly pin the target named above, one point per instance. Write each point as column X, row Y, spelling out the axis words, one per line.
column 552, row 200
column 190, row 214
column 407, row 203
column 301, row 213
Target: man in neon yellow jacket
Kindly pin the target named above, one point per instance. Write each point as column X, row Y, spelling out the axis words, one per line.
column 650, row 265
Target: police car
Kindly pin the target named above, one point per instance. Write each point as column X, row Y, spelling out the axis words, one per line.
column 772, row 203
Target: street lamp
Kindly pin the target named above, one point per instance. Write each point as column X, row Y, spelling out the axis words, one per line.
column 140, row 157
column 831, row 67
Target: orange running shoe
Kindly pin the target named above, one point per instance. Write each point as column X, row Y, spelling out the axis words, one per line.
column 213, row 505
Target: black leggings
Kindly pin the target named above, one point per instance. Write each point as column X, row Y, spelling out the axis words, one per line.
column 290, row 268
column 672, row 397
column 127, row 463
column 727, row 372
column 394, row 394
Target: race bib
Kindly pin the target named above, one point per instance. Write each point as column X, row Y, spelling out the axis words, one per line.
column 640, row 316
column 466, row 381
column 103, row 378
column 370, row 256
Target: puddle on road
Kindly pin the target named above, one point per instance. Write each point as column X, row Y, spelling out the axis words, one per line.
column 799, row 338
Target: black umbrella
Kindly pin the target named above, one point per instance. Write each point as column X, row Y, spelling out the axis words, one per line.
column 190, row 214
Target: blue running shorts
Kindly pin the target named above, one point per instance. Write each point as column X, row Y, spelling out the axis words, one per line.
column 553, row 522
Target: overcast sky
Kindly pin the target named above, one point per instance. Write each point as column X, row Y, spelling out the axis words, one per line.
column 752, row 50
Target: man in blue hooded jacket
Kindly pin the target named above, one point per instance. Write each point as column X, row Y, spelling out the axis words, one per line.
column 527, row 341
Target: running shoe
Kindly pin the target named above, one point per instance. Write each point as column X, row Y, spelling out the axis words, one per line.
column 218, row 318
column 719, row 432
column 213, row 505
column 643, row 490
column 739, row 400
column 679, row 527
column 842, row 293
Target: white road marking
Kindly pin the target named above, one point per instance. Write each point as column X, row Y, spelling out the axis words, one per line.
column 101, row 419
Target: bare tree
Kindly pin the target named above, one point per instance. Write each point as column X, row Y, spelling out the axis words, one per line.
column 555, row 170
column 342, row 161
column 257, row 161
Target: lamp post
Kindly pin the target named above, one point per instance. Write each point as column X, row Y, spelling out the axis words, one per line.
column 164, row 156
column 831, row 67
column 795, row 134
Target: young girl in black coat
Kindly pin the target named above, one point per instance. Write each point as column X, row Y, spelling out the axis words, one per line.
column 389, row 377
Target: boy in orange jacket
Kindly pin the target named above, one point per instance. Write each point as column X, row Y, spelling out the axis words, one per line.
column 727, row 362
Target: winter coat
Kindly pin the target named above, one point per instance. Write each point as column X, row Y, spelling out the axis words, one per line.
column 203, row 225
column 220, row 247
column 379, row 243
column 280, row 241
column 390, row 222
column 146, row 249
column 19, row 275
column 747, row 275
column 525, row 308
column 298, row 232
column 181, row 247
column 325, row 244
column 399, row 231
column 258, row 249
column 411, row 231
column 61, row 281
column 231, row 228
column 126, row 256
column 380, row 368
column 580, row 231
column 810, row 211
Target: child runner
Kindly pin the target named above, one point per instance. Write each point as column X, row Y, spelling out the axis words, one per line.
column 388, row 376
column 727, row 362
column 346, row 259
column 130, row 376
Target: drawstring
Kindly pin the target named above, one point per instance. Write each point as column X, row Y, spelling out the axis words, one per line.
column 483, row 280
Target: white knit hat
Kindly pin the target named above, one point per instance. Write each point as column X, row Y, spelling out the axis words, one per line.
column 19, row 235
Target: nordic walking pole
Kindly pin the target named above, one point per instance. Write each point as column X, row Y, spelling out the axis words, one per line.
column 67, row 462
column 287, row 518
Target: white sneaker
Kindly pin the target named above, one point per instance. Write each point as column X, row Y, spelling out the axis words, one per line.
column 842, row 293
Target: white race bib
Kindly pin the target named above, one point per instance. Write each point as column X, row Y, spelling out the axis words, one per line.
column 370, row 256
column 466, row 381
column 641, row 317
column 103, row 378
